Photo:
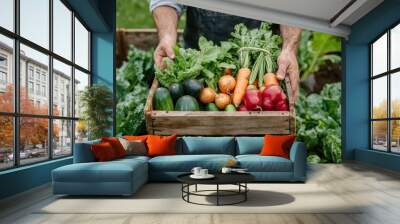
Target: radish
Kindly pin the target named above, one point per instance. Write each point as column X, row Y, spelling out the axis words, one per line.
column 274, row 98
column 252, row 99
column 242, row 107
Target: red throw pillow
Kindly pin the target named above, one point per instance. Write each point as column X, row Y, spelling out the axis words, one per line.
column 116, row 145
column 103, row 152
column 161, row 145
column 135, row 137
column 277, row 145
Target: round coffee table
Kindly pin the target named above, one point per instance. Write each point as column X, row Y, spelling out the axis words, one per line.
column 238, row 179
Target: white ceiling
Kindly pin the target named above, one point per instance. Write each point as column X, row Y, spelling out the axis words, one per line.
column 329, row 16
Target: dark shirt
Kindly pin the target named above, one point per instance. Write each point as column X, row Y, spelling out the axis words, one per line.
column 214, row 26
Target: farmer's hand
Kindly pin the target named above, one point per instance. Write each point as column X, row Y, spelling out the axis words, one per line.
column 287, row 60
column 164, row 49
column 287, row 65
column 166, row 19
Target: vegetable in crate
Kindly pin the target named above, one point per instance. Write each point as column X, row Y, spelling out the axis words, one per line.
column 274, row 98
column 230, row 108
column 226, row 84
column 207, row 95
column 212, row 107
column 163, row 100
column 222, row 100
column 187, row 103
column 176, row 91
column 252, row 99
column 259, row 44
column 208, row 63
column 192, row 87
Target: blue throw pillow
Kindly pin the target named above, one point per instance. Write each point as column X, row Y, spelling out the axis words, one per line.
column 208, row 145
column 249, row 145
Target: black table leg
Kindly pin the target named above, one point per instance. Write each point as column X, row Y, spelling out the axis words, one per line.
column 195, row 188
column 245, row 193
column 217, row 194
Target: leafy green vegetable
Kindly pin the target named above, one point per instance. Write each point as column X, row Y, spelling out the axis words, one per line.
column 132, row 90
column 208, row 62
column 319, row 123
column 315, row 49
column 259, row 48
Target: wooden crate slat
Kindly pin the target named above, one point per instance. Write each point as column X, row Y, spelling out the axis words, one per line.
column 217, row 123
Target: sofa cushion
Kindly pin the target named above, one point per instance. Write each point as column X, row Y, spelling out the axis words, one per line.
column 161, row 145
column 185, row 163
column 277, row 145
column 249, row 145
column 112, row 171
column 208, row 145
column 116, row 145
column 103, row 152
column 257, row 163
column 83, row 152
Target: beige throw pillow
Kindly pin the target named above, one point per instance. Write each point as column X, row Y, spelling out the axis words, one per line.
column 134, row 147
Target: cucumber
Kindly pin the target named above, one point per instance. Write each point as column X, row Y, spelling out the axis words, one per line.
column 230, row 108
column 187, row 103
column 162, row 100
column 212, row 107
column 176, row 91
column 192, row 87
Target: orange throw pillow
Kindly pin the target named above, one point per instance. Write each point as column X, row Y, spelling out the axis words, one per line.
column 116, row 145
column 103, row 152
column 277, row 145
column 161, row 145
column 135, row 137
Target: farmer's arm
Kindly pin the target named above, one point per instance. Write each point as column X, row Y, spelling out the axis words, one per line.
column 166, row 15
column 287, row 60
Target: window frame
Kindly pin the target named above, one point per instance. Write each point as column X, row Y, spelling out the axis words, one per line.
column 388, row 74
column 16, row 114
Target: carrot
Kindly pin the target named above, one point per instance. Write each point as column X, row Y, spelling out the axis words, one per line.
column 242, row 80
column 270, row 79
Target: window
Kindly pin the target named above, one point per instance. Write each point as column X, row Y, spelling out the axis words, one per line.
column 30, row 87
column 385, row 95
column 3, row 72
column 7, row 14
column 30, row 72
column 44, row 91
column 38, row 89
column 48, row 78
column 3, row 78
column 6, row 73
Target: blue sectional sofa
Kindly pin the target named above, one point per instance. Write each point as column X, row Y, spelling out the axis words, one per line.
column 125, row 176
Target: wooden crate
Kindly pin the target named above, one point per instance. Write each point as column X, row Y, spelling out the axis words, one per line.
column 218, row 122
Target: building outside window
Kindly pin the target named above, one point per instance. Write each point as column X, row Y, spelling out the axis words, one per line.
column 58, row 127
column 30, row 87
column 3, row 72
column 385, row 94
column 30, row 72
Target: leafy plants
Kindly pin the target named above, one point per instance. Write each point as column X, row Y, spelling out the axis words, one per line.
column 132, row 90
column 96, row 102
column 315, row 49
column 207, row 63
column 319, row 124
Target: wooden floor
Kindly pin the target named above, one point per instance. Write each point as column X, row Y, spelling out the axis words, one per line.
column 379, row 189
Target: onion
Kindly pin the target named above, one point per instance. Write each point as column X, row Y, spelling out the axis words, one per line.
column 222, row 100
column 207, row 95
column 226, row 84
